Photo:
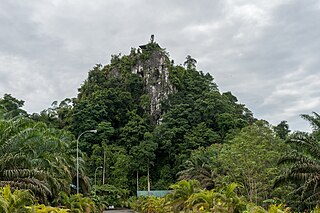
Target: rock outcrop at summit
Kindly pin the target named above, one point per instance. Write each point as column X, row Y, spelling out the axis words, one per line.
column 155, row 73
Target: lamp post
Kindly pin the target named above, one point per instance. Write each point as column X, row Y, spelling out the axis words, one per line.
column 88, row 131
column 95, row 179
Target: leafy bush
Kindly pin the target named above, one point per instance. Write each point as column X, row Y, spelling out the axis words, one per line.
column 110, row 195
column 23, row 201
column 17, row 200
column 186, row 197
column 150, row 204
column 77, row 203
column 41, row 208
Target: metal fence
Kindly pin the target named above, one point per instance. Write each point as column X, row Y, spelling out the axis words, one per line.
column 157, row 193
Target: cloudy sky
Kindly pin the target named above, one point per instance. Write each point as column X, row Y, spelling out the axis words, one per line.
column 267, row 52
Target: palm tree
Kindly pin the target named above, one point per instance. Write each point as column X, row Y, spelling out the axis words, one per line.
column 202, row 166
column 76, row 202
column 35, row 157
column 314, row 120
column 204, row 200
column 303, row 162
column 198, row 171
column 217, row 200
column 152, row 204
column 181, row 193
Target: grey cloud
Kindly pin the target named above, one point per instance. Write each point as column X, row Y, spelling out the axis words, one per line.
column 254, row 68
column 265, row 52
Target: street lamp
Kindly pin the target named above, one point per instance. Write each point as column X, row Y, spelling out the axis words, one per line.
column 95, row 179
column 88, row 131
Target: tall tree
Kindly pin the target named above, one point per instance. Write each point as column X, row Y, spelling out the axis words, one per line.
column 203, row 165
column 190, row 62
column 282, row 130
column 59, row 115
column 12, row 106
column 144, row 155
column 303, row 163
column 251, row 159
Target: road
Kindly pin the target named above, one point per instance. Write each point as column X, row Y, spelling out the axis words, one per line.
column 119, row 211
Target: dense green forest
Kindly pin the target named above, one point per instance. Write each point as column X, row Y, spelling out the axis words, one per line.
column 160, row 126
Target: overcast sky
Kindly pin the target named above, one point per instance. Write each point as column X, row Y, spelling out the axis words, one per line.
column 265, row 52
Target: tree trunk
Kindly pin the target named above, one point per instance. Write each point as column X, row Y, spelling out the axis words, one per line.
column 148, row 181
column 137, row 182
column 104, row 166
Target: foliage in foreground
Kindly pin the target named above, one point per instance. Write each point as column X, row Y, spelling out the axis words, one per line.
column 76, row 202
column 23, row 201
column 187, row 197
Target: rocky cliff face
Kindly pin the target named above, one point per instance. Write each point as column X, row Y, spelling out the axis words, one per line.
column 155, row 73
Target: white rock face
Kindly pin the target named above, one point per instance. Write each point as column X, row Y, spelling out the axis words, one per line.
column 155, row 73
